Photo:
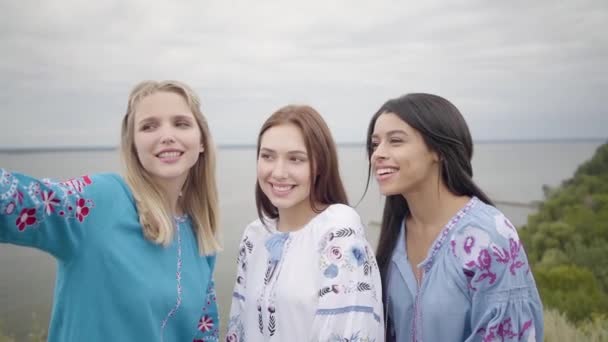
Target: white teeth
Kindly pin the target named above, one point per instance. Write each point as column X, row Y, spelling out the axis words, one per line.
column 386, row 170
column 281, row 187
column 169, row 154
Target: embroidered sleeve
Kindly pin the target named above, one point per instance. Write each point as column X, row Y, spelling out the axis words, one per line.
column 350, row 297
column 505, row 304
column 44, row 214
column 208, row 326
column 236, row 332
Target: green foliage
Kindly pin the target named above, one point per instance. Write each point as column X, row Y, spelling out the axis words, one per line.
column 567, row 243
column 558, row 328
column 572, row 290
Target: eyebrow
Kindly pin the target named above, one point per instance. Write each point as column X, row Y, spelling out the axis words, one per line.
column 174, row 117
column 268, row 150
column 392, row 132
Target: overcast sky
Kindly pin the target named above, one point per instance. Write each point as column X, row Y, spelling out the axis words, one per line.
column 516, row 69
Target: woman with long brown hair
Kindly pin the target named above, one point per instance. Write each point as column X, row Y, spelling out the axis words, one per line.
column 305, row 269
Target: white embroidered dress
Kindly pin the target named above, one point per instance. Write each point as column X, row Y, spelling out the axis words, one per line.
column 320, row 283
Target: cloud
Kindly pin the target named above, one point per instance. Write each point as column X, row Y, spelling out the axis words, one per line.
column 516, row 70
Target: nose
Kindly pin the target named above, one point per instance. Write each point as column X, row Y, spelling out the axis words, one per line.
column 379, row 152
column 167, row 140
column 279, row 169
column 167, row 136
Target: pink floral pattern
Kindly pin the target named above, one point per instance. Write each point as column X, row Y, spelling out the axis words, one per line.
column 207, row 326
column 50, row 201
column 205, row 323
column 334, row 253
column 33, row 201
column 27, row 217
column 481, row 255
column 9, row 208
column 82, row 210
column 505, row 331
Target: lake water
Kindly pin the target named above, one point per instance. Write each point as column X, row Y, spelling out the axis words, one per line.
column 510, row 173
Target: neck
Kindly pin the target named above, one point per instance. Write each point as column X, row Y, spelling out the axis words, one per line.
column 295, row 218
column 172, row 190
column 432, row 209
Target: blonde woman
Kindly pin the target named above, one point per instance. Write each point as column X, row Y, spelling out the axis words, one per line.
column 135, row 253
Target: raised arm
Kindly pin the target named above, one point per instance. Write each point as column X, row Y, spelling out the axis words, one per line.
column 47, row 215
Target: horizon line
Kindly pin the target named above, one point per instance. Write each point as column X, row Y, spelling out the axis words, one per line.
column 78, row 148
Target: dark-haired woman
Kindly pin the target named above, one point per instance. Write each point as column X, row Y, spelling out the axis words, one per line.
column 452, row 265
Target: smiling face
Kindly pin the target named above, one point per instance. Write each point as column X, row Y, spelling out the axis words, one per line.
column 401, row 161
column 167, row 137
column 283, row 168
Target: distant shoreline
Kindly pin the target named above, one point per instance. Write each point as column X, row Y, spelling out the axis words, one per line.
column 44, row 149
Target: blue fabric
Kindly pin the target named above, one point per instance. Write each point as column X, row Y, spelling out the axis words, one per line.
column 476, row 284
column 112, row 284
column 274, row 246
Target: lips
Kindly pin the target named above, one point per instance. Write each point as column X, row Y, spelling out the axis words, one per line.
column 384, row 173
column 281, row 190
column 169, row 156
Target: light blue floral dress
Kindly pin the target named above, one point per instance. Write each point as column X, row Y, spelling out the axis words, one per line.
column 476, row 284
column 320, row 283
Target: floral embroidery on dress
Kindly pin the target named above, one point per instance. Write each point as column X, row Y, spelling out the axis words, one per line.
column 33, row 203
column 355, row 337
column 207, row 329
column 504, row 331
column 480, row 255
column 178, row 285
column 335, row 258
column 236, row 331
column 506, row 229
column 241, row 260
column 276, row 246
column 208, row 325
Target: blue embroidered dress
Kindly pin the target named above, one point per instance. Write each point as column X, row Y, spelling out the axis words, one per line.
column 112, row 284
column 320, row 283
column 476, row 284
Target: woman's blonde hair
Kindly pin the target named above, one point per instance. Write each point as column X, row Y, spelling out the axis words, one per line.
column 199, row 198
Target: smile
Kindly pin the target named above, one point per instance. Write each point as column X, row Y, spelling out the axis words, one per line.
column 281, row 190
column 279, row 187
column 385, row 171
column 169, row 154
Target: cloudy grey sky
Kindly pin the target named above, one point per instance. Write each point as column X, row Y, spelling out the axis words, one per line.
column 516, row 69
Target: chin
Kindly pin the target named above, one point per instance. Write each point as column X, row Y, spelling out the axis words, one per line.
column 281, row 204
column 390, row 192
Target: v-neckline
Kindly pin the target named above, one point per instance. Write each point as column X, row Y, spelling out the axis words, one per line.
column 400, row 257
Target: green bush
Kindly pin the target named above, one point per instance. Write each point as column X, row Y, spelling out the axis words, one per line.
column 567, row 243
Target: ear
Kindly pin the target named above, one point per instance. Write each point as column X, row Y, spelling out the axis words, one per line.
column 201, row 149
column 436, row 157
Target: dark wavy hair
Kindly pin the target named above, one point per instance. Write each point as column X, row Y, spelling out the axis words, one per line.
column 446, row 133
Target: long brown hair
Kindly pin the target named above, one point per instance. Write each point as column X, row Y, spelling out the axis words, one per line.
column 326, row 184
